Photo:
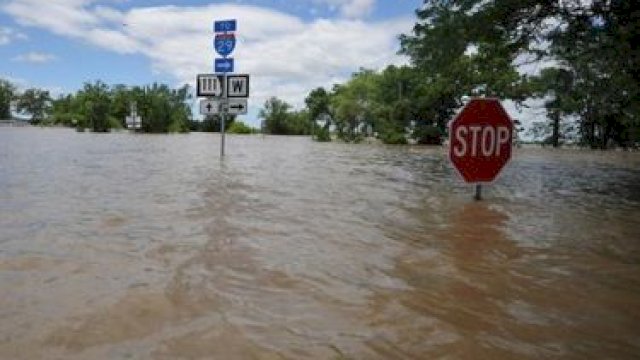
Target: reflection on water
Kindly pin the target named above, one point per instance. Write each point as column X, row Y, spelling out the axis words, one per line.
column 129, row 246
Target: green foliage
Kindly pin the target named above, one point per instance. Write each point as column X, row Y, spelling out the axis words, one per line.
column 427, row 135
column 7, row 93
column 35, row 102
column 322, row 134
column 114, row 123
column 390, row 137
column 211, row 123
column 281, row 120
column 101, row 108
column 320, row 113
column 94, row 106
column 238, row 127
column 469, row 48
column 318, row 103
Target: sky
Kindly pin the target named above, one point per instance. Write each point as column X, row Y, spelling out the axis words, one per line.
column 288, row 47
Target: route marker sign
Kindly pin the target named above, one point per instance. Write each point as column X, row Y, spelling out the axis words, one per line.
column 209, row 107
column 238, row 86
column 210, row 85
column 223, row 65
column 224, row 44
column 481, row 140
column 225, row 25
column 214, row 86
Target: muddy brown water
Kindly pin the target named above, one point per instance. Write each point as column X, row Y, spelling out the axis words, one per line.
column 116, row 246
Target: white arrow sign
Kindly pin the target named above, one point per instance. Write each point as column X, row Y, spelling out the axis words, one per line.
column 209, row 107
column 210, row 85
column 237, row 106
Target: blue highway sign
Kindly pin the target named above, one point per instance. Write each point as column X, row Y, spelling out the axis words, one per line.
column 224, row 44
column 225, row 25
column 223, row 65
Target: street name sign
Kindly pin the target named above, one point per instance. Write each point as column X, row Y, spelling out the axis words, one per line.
column 238, row 86
column 210, row 85
column 481, row 140
column 225, row 25
column 223, row 65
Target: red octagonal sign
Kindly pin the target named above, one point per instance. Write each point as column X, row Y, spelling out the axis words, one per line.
column 481, row 137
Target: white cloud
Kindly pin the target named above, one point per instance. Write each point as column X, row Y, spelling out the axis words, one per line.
column 285, row 55
column 350, row 8
column 7, row 35
column 35, row 57
column 22, row 85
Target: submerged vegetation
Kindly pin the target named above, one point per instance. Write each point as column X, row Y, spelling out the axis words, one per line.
column 100, row 107
column 589, row 81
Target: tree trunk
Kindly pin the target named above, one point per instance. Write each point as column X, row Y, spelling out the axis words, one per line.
column 555, row 136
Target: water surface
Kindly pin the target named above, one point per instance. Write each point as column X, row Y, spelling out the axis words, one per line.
column 150, row 247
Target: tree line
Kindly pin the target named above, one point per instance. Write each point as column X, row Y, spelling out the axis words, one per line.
column 589, row 83
column 100, row 108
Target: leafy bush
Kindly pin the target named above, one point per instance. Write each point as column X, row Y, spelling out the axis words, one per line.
column 238, row 127
column 427, row 135
column 322, row 135
column 393, row 138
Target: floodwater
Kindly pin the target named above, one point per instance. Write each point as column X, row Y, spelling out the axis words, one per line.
column 117, row 246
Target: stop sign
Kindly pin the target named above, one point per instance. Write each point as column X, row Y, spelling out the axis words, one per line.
column 481, row 137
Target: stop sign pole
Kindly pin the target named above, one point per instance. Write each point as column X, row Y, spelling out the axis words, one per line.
column 481, row 138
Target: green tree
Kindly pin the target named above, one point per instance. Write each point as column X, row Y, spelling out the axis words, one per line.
column 7, row 93
column 62, row 112
column 318, row 104
column 94, row 102
column 276, row 115
column 238, row 127
column 354, row 104
column 35, row 102
column 597, row 48
column 469, row 48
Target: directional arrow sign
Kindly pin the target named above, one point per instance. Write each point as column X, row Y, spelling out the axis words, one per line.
column 209, row 85
column 209, row 107
column 223, row 65
column 238, row 86
column 237, row 106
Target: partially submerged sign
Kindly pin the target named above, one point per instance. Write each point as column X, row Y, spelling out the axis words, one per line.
column 481, row 140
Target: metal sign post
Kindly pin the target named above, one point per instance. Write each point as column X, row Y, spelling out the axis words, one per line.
column 223, row 115
column 224, row 44
column 225, row 94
